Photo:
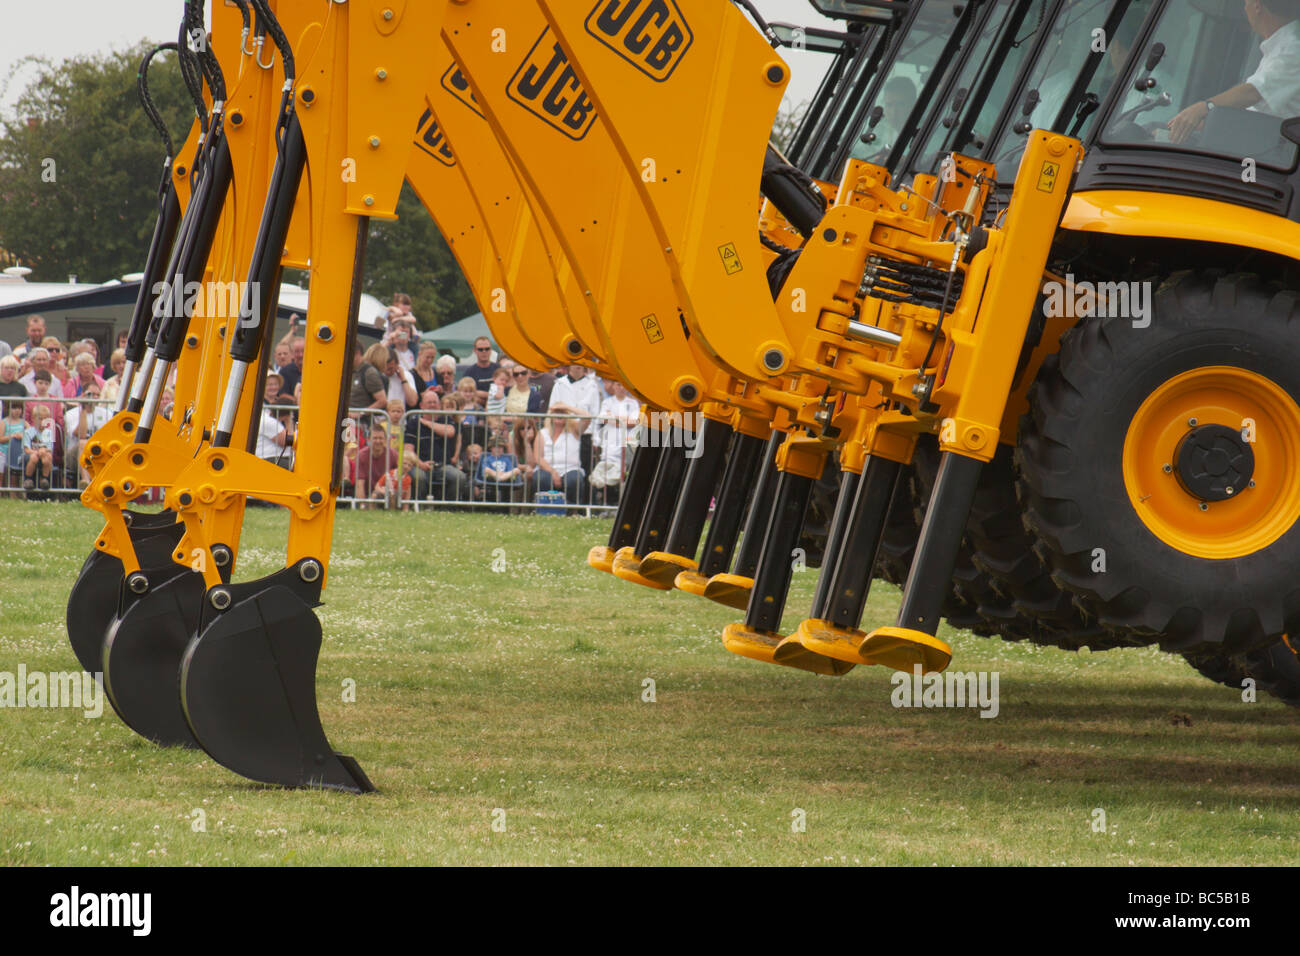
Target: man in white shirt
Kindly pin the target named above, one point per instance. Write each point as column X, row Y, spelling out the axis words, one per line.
column 1274, row 88
column 619, row 414
column 401, row 383
column 579, row 396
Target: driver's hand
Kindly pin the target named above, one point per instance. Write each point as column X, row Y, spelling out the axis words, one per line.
column 1187, row 122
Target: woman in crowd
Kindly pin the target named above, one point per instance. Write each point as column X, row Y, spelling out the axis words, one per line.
column 58, row 364
column 116, row 363
column 559, row 460
column 425, row 371
column 84, row 376
column 369, row 381
column 446, row 367
column 523, row 395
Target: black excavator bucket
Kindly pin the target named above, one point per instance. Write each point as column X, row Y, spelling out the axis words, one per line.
column 248, row 683
column 96, row 595
column 143, row 648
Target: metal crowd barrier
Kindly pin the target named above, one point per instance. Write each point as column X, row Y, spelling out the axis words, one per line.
column 453, row 478
column 452, row 475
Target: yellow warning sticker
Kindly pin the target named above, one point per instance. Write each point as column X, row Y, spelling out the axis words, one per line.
column 653, row 331
column 730, row 258
column 1047, row 177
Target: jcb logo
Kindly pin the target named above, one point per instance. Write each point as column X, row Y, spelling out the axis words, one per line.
column 547, row 86
column 428, row 137
column 454, row 82
column 652, row 35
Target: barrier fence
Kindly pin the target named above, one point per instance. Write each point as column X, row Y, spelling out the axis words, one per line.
column 435, row 458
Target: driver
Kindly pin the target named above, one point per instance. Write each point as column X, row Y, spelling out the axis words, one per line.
column 1274, row 88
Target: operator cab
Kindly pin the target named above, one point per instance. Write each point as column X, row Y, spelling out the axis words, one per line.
column 1158, row 134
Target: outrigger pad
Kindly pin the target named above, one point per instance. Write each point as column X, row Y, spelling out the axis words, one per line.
column 95, row 596
column 662, row 568
column 895, row 647
column 601, row 557
column 903, row 648
column 692, row 582
column 759, row 646
column 730, row 589
column 142, row 653
column 248, row 687
column 629, row 569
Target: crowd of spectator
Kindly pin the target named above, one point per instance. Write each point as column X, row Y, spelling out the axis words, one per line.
column 421, row 425
column 489, row 430
column 53, row 396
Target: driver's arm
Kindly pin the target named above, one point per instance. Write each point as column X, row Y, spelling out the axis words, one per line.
column 1241, row 96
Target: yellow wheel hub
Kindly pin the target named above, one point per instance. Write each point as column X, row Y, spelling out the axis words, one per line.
column 1256, row 514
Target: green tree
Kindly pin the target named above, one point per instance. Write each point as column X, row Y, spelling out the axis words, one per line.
column 411, row 256
column 787, row 123
column 80, row 164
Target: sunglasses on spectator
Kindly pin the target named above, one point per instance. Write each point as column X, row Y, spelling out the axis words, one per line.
column 521, row 374
column 483, row 348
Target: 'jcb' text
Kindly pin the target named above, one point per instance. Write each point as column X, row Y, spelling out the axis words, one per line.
column 429, row 137
column 547, row 86
column 652, row 35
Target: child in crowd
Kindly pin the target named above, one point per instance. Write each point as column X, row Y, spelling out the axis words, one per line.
column 12, row 435
column 38, row 443
column 496, row 402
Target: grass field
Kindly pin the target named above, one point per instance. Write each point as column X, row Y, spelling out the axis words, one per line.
column 516, row 697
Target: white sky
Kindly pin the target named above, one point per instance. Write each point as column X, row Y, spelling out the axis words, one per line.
column 62, row 28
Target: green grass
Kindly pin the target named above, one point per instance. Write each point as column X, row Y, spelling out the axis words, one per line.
column 521, row 691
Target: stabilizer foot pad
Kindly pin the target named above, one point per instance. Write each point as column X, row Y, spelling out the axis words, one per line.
column 627, row 566
column 902, row 649
column 759, row 646
column 663, row 567
column 601, row 558
column 895, row 647
column 730, row 589
column 692, row 582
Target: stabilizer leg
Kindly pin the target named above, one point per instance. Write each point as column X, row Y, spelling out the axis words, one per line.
column 631, row 505
column 758, row 636
column 744, row 460
column 732, row 588
column 658, row 512
column 713, row 442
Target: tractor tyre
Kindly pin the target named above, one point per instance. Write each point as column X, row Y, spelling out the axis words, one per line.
column 1157, row 466
column 1275, row 668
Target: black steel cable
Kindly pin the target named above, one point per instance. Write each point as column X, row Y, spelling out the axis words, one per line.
column 146, row 101
column 206, row 58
